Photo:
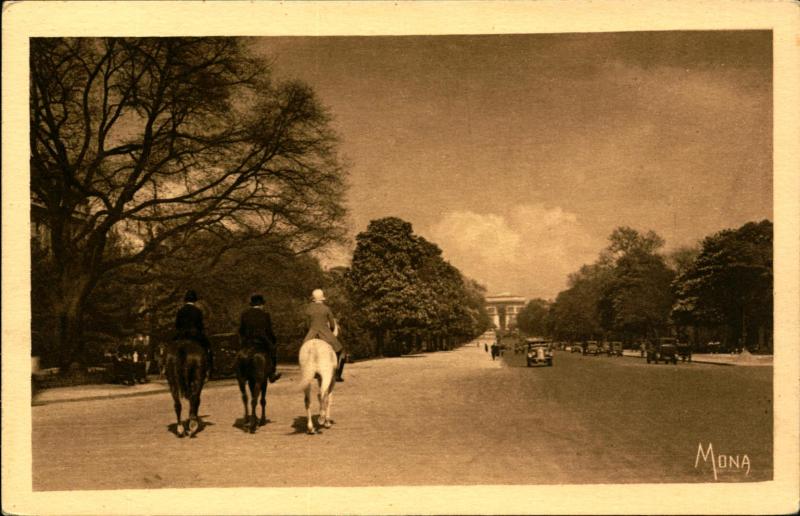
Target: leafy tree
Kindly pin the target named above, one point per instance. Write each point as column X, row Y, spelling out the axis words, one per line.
column 731, row 283
column 157, row 141
column 533, row 318
column 576, row 312
column 402, row 286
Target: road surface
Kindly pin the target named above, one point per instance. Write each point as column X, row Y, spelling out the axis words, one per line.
column 447, row 418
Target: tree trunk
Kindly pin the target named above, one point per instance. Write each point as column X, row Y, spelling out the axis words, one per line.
column 71, row 293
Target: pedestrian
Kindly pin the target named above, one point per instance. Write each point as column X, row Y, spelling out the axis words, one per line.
column 256, row 327
column 486, row 347
column 189, row 325
column 494, row 350
column 322, row 325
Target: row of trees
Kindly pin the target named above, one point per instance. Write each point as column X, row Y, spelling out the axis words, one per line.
column 161, row 164
column 721, row 290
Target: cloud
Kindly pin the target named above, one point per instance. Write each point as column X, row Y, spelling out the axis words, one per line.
column 529, row 251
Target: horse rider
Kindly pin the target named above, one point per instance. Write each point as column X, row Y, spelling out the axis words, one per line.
column 256, row 327
column 322, row 325
column 189, row 325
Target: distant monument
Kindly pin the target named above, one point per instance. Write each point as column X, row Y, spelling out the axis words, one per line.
column 503, row 309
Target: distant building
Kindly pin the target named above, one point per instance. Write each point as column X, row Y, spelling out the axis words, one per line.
column 503, row 309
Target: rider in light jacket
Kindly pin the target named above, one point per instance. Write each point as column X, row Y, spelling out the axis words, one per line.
column 322, row 325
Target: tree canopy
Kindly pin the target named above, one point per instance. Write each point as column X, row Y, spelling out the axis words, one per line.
column 156, row 142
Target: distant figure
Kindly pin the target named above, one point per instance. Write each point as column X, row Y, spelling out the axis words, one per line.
column 485, row 347
column 495, row 350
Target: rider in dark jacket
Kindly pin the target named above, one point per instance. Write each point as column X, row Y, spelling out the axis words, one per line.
column 256, row 327
column 189, row 325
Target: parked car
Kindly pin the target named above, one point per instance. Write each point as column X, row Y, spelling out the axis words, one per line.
column 576, row 348
column 224, row 346
column 615, row 350
column 539, row 352
column 665, row 350
column 126, row 365
column 684, row 350
column 591, row 348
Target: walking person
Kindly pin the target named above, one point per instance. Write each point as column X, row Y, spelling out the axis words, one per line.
column 189, row 325
column 322, row 325
column 256, row 327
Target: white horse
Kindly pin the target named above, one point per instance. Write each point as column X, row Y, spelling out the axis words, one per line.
column 318, row 362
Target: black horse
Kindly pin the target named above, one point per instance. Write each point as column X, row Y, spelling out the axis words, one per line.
column 252, row 369
column 186, row 365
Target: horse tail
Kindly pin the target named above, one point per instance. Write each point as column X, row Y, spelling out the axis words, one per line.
column 307, row 359
column 183, row 372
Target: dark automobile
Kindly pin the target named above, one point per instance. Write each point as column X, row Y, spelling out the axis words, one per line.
column 615, row 349
column 224, row 346
column 591, row 348
column 127, row 365
column 684, row 350
column 666, row 350
column 539, row 352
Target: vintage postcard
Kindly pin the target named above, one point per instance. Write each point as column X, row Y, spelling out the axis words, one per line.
column 400, row 257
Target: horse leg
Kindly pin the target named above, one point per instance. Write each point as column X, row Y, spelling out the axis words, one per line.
column 309, row 420
column 177, row 404
column 174, row 389
column 254, row 388
column 325, row 387
column 243, row 390
column 194, row 403
column 263, row 420
column 328, row 404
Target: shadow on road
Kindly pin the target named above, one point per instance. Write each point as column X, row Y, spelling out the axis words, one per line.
column 242, row 424
column 299, row 425
column 173, row 427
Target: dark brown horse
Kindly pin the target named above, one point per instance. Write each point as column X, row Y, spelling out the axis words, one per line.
column 252, row 370
column 186, row 365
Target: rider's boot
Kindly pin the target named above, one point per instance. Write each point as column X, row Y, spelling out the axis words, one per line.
column 340, row 370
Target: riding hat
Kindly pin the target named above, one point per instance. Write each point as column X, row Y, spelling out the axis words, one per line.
column 256, row 300
column 317, row 295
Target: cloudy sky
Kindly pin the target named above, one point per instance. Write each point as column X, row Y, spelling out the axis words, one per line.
column 519, row 154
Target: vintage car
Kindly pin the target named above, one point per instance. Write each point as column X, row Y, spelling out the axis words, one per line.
column 576, row 347
column 540, row 351
column 126, row 365
column 684, row 350
column 591, row 348
column 224, row 346
column 666, row 350
column 615, row 349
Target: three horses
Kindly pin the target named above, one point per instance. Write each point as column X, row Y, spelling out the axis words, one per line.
column 186, row 366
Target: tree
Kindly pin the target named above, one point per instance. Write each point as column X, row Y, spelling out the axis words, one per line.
column 383, row 278
column 157, row 141
column 402, row 286
column 533, row 318
column 731, row 283
column 576, row 312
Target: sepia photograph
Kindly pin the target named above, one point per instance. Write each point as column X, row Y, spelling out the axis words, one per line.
column 400, row 264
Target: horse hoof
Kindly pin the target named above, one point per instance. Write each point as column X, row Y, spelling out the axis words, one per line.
column 179, row 430
column 194, row 426
column 262, row 422
column 326, row 424
column 311, row 431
